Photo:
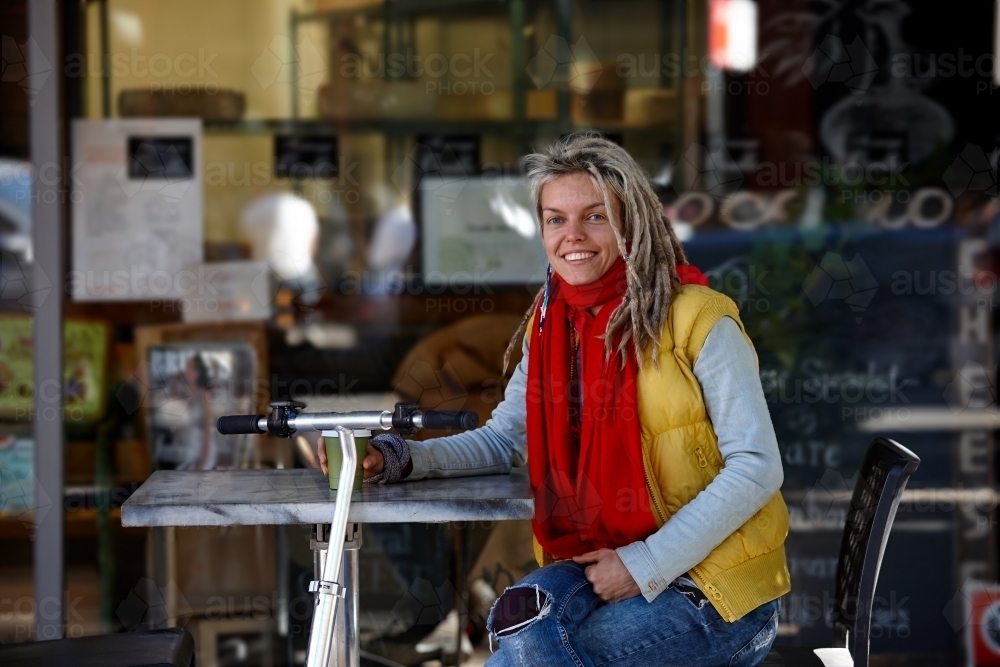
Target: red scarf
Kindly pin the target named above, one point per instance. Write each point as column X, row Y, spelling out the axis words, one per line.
column 589, row 485
column 690, row 275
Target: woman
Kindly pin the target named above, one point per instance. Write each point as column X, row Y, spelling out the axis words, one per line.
column 639, row 412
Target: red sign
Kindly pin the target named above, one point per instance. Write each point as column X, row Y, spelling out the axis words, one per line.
column 983, row 630
column 732, row 34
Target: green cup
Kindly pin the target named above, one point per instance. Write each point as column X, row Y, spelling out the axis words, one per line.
column 334, row 459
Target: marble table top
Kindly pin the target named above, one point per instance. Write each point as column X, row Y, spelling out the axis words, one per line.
column 303, row 496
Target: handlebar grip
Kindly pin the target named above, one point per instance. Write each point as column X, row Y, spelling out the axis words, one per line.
column 238, row 424
column 444, row 420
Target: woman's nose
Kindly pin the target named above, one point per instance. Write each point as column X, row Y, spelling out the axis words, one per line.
column 575, row 230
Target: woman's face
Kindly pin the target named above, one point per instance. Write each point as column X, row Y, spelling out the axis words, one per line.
column 576, row 231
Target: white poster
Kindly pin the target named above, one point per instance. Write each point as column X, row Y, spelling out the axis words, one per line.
column 480, row 231
column 228, row 292
column 137, row 208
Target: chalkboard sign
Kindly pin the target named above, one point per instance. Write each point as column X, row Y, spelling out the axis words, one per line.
column 303, row 157
column 446, row 155
column 169, row 158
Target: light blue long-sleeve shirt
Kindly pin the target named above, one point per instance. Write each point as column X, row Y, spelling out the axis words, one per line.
column 727, row 371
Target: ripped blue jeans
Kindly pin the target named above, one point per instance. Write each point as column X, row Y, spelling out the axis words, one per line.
column 552, row 617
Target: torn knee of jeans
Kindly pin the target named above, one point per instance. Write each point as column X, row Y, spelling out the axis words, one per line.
column 518, row 608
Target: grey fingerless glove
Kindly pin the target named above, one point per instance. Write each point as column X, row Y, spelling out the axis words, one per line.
column 396, row 454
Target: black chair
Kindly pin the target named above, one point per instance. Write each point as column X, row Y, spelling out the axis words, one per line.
column 172, row 647
column 881, row 481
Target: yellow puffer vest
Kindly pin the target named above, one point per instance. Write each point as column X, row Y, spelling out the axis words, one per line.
column 681, row 456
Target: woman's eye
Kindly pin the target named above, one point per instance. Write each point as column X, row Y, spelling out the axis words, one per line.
column 597, row 217
column 553, row 221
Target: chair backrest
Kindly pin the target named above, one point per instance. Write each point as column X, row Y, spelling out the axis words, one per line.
column 881, row 481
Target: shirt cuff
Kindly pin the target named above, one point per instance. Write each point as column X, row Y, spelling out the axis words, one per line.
column 418, row 457
column 639, row 562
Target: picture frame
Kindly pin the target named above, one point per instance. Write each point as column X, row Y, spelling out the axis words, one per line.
column 189, row 375
column 86, row 364
column 479, row 231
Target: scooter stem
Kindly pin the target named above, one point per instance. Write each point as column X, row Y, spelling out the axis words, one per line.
column 328, row 590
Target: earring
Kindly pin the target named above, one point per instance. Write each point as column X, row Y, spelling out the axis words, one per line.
column 545, row 298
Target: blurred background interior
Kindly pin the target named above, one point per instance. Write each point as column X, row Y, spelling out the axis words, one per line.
column 322, row 200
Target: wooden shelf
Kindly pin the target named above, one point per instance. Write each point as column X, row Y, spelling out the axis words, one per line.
column 412, row 126
column 406, row 309
column 126, row 313
column 427, row 310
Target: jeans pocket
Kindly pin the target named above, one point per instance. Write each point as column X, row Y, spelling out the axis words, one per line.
column 753, row 651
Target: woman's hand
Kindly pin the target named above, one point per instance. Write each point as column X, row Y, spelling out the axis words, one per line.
column 608, row 575
column 372, row 463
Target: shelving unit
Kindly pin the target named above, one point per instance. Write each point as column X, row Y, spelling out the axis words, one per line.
column 676, row 24
column 517, row 133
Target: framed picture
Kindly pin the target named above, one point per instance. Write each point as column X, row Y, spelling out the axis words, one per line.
column 137, row 207
column 85, row 368
column 190, row 386
column 479, row 231
column 190, row 375
column 17, row 472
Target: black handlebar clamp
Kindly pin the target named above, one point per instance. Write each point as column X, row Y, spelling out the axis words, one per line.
column 402, row 418
column 277, row 421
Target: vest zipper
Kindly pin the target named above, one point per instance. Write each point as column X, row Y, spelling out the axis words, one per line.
column 702, row 461
column 705, row 586
column 652, row 496
column 712, row 591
